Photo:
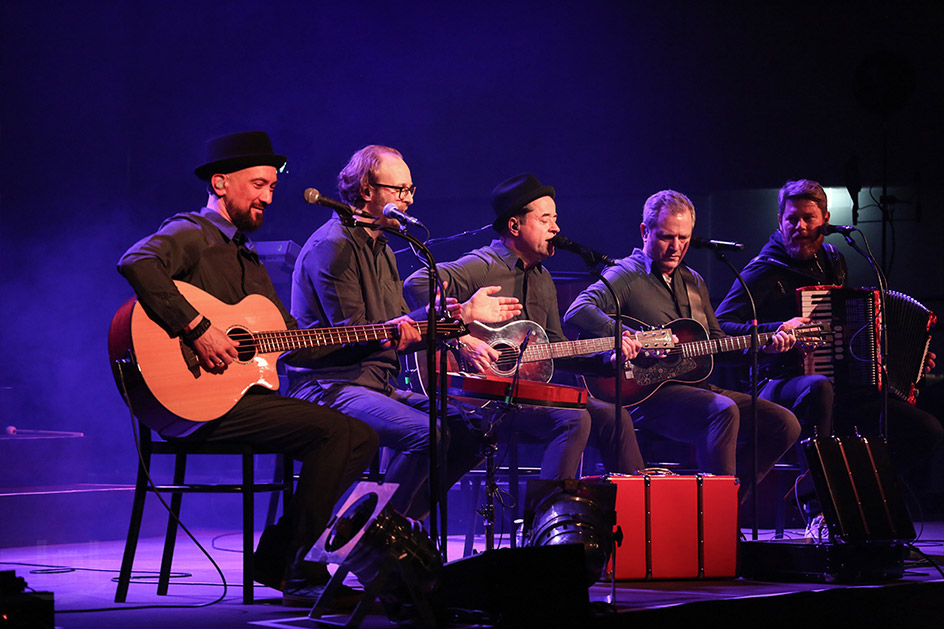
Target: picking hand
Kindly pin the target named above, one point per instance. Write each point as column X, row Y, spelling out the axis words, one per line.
column 215, row 350
column 477, row 353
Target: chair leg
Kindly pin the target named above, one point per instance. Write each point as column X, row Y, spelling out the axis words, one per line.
column 514, row 485
column 134, row 530
column 288, row 480
column 473, row 485
column 170, row 539
column 278, row 476
column 248, row 526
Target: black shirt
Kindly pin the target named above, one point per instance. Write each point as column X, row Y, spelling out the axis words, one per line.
column 200, row 248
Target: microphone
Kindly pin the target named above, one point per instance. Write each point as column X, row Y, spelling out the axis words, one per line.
column 391, row 211
column 589, row 255
column 717, row 245
column 312, row 196
column 828, row 229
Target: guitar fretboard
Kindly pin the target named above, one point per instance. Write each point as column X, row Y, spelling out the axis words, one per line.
column 718, row 346
column 563, row 349
column 285, row 340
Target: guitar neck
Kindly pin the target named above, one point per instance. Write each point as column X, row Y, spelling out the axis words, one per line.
column 279, row 341
column 726, row 344
column 564, row 349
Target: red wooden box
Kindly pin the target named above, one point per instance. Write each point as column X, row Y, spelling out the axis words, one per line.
column 675, row 526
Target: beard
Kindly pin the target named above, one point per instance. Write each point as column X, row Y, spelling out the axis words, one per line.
column 245, row 221
column 802, row 249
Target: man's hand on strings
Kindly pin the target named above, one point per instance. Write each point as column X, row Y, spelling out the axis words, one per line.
column 215, row 350
column 477, row 353
column 784, row 339
column 408, row 334
column 631, row 347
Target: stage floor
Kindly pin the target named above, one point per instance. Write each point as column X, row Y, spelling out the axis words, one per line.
column 80, row 576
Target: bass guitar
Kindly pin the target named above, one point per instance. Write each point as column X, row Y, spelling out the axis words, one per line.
column 161, row 375
column 690, row 361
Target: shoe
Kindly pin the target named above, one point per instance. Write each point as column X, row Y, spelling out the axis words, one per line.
column 817, row 530
column 303, row 593
column 268, row 579
column 270, row 560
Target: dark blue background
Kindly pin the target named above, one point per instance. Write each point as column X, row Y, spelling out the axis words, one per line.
column 106, row 105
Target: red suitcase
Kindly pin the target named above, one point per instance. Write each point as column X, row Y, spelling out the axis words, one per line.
column 675, row 526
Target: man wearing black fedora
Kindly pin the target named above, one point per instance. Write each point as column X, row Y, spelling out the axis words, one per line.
column 209, row 249
column 526, row 220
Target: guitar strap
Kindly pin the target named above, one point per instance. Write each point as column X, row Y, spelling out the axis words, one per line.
column 695, row 301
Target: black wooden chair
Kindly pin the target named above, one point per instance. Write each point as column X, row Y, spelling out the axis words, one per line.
column 247, row 488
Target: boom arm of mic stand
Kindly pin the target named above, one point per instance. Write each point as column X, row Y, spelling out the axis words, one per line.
column 435, row 393
column 755, row 350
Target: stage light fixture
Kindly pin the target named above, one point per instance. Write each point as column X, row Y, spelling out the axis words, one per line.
column 572, row 512
column 391, row 555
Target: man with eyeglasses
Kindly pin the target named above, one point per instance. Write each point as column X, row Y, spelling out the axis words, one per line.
column 348, row 276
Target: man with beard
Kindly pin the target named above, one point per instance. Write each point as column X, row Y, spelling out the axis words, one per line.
column 209, row 249
column 796, row 256
column 655, row 286
column 526, row 221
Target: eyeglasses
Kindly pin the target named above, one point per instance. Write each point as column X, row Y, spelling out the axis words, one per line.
column 402, row 191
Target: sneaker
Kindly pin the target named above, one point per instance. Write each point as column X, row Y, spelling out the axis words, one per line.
column 817, row 530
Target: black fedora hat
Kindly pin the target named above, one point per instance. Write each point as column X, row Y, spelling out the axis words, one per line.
column 235, row 151
column 513, row 194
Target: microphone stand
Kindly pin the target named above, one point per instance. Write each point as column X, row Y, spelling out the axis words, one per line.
column 617, row 348
column 435, row 389
column 755, row 351
column 883, row 327
column 618, row 383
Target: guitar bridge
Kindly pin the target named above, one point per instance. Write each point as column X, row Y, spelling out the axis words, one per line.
column 190, row 359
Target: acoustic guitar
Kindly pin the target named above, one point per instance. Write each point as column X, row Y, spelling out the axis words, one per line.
column 172, row 394
column 689, row 361
column 536, row 362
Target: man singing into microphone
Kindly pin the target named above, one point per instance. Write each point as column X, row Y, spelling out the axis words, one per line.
column 655, row 286
column 348, row 276
column 796, row 256
column 526, row 221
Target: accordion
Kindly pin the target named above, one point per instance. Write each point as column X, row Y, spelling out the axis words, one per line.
column 852, row 358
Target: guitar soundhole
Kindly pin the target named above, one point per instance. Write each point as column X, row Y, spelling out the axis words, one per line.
column 246, row 343
column 509, row 358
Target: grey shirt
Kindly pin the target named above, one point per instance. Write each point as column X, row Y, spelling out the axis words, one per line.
column 497, row 265
column 643, row 294
column 344, row 277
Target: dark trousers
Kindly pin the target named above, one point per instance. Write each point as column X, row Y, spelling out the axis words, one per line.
column 718, row 422
column 334, row 450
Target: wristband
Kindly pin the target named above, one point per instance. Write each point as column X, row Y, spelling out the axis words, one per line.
column 189, row 336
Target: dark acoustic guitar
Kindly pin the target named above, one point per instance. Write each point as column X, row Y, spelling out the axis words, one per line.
column 689, row 361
